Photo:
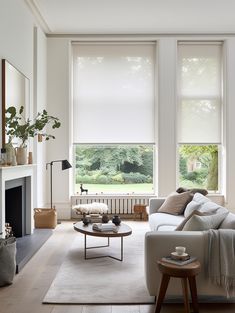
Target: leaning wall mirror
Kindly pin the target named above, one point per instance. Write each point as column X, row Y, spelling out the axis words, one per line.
column 15, row 92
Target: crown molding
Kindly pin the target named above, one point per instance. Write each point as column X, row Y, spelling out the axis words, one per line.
column 144, row 36
column 34, row 8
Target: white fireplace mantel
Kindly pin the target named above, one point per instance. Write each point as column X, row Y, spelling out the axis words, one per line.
column 14, row 172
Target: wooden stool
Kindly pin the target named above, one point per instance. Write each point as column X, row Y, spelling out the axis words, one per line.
column 188, row 271
column 141, row 209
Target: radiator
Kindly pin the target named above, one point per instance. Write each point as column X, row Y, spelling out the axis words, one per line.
column 117, row 204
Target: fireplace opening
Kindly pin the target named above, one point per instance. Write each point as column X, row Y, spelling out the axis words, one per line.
column 15, row 206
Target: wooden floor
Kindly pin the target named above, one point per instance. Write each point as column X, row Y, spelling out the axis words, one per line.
column 25, row 295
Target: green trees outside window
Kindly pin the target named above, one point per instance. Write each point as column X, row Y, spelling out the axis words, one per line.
column 198, row 166
column 114, row 168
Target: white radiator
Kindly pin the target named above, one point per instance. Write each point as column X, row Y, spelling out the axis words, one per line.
column 117, row 204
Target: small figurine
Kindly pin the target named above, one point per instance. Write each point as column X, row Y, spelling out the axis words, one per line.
column 83, row 190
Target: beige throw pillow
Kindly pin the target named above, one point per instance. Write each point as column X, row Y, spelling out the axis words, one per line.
column 199, row 223
column 175, row 203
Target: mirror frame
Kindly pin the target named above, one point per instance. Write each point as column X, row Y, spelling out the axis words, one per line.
column 5, row 95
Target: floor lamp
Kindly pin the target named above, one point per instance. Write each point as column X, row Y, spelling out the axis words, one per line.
column 65, row 165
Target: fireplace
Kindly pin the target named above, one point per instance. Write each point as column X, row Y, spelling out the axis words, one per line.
column 16, row 199
column 15, row 206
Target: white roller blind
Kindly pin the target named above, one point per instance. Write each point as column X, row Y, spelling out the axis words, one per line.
column 113, row 93
column 200, row 80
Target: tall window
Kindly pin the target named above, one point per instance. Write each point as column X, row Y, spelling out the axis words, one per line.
column 113, row 105
column 199, row 114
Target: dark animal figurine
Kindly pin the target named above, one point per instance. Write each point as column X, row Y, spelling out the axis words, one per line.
column 83, row 190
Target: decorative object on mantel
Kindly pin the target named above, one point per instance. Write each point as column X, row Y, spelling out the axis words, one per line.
column 65, row 165
column 30, row 158
column 22, row 129
column 13, row 160
column 21, row 155
column 39, row 137
column 3, row 157
column 10, row 153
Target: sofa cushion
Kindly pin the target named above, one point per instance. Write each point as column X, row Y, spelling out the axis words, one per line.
column 203, row 204
column 175, row 203
column 193, row 190
column 191, row 206
column 197, row 201
column 195, row 212
column 228, row 222
column 199, row 223
column 166, row 228
column 158, row 220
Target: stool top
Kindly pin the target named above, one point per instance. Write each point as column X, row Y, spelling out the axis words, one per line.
column 190, row 269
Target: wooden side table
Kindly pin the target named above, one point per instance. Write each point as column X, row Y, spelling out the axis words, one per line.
column 141, row 209
column 185, row 272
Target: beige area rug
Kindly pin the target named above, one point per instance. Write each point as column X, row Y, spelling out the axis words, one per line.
column 103, row 280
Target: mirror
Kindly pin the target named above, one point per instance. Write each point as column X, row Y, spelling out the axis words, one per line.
column 15, row 92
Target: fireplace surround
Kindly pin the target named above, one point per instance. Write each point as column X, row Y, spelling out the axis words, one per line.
column 20, row 180
column 15, row 205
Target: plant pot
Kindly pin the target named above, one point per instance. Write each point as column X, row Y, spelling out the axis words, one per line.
column 21, row 156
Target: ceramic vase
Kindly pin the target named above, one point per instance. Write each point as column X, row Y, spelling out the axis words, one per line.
column 105, row 218
column 116, row 220
column 85, row 220
column 21, row 155
column 10, row 153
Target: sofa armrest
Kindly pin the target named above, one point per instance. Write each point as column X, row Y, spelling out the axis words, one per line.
column 154, row 204
column 161, row 243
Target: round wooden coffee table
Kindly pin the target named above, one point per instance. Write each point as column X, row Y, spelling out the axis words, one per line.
column 123, row 231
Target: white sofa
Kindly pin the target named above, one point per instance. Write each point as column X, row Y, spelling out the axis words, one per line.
column 162, row 240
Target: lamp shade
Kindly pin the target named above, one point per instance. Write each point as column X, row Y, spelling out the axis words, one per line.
column 65, row 164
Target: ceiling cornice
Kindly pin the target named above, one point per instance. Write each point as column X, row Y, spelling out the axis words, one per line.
column 153, row 36
column 34, row 8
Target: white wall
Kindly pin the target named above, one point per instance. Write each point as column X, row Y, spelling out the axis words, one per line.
column 59, row 97
column 229, row 123
column 58, row 104
column 16, row 36
column 166, row 108
column 40, row 103
column 17, row 45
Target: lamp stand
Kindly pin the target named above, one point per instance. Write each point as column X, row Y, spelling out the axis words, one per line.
column 65, row 166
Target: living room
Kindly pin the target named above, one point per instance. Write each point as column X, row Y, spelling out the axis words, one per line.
column 39, row 38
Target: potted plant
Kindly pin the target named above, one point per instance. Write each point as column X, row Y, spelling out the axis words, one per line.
column 22, row 129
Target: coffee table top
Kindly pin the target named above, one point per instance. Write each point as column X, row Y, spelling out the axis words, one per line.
column 123, row 230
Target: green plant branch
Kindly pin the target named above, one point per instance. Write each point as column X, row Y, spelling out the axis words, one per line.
column 18, row 127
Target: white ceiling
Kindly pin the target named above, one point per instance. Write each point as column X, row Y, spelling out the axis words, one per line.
column 135, row 16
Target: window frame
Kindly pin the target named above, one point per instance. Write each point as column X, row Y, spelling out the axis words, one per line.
column 180, row 98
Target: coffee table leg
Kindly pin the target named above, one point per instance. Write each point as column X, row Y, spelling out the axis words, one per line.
column 101, row 256
column 121, row 248
column 85, row 246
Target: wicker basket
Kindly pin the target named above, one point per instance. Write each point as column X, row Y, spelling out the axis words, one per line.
column 45, row 218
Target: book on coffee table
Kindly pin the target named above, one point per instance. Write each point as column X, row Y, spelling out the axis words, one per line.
column 104, row 227
column 169, row 259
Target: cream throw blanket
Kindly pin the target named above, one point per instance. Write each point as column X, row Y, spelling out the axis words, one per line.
column 221, row 258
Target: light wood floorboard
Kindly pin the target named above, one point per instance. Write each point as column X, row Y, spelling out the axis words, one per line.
column 25, row 295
